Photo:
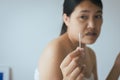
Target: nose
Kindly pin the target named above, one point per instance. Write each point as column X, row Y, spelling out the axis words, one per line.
column 91, row 23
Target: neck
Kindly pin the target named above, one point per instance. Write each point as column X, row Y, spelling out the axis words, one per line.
column 74, row 44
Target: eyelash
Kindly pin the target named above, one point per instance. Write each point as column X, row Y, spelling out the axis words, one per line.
column 96, row 17
column 83, row 17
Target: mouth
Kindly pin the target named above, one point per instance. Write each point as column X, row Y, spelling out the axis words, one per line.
column 91, row 34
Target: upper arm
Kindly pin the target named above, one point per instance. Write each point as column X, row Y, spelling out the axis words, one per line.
column 49, row 64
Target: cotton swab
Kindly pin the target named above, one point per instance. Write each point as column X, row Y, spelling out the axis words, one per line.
column 80, row 39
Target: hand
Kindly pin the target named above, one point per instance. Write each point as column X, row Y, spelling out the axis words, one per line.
column 72, row 66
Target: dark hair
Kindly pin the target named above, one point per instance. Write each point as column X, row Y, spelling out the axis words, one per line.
column 69, row 6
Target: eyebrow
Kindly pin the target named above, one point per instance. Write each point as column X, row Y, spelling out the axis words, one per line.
column 87, row 11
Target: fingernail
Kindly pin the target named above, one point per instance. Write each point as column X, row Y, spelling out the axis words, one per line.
column 80, row 49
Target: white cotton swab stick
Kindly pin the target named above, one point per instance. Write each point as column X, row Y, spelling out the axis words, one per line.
column 80, row 39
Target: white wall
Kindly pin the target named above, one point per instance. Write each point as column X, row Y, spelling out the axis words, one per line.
column 26, row 26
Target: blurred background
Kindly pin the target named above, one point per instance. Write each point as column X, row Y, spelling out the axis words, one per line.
column 26, row 26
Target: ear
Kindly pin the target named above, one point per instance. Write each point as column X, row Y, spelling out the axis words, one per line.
column 66, row 19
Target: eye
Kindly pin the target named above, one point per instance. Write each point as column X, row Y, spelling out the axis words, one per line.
column 98, row 16
column 83, row 17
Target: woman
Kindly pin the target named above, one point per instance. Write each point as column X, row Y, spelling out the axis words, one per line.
column 63, row 58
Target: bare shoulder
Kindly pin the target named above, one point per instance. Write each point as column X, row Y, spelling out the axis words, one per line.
column 54, row 49
column 91, row 52
column 50, row 60
column 92, row 55
column 93, row 59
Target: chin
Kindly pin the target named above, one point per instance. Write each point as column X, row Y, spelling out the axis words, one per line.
column 90, row 41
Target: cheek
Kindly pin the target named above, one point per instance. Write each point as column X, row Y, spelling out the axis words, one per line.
column 78, row 27
column 74, row 27
column 73, row 33
column 99, row 28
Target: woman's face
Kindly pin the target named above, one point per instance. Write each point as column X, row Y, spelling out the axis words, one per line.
column 85, row 19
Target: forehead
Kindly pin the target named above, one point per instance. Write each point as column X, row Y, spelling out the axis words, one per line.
column 87, row 6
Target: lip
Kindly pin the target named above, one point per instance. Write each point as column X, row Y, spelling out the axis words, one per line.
column 91, row 34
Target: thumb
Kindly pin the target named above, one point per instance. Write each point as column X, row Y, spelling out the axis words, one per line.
column 77, row 52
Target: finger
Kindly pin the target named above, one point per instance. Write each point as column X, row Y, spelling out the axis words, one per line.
column 75, row 73
column 69, row 58
column 74, row 63
column 79, row 51
column 83, row 67
column 82, row 72
column 80, row 77
column 66, row 61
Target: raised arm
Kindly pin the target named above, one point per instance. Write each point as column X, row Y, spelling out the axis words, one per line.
column 115, row 71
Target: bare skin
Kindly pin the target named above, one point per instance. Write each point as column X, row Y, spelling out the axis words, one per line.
column 62, row 59
column 115, row 71
column 58, row 52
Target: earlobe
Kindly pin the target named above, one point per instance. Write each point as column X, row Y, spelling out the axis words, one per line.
column 66, row 19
